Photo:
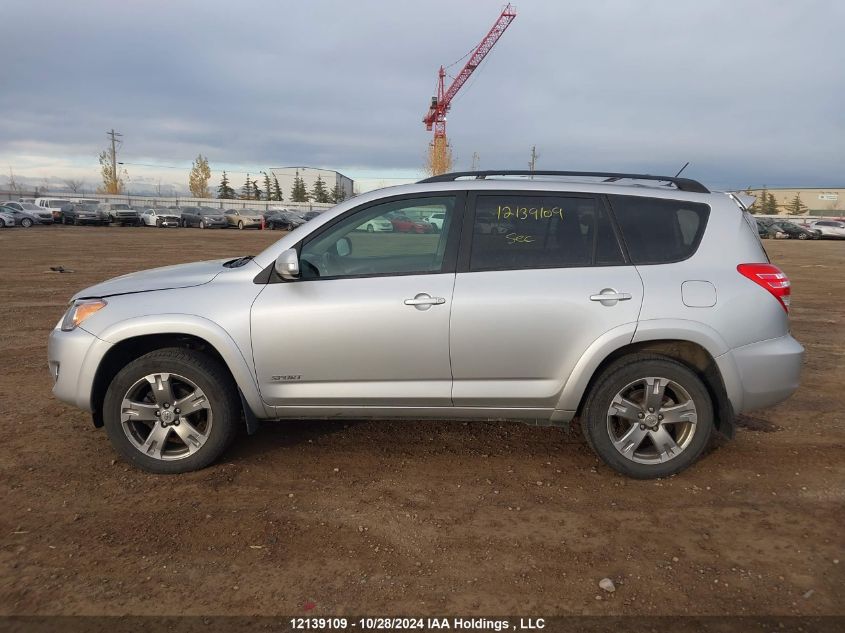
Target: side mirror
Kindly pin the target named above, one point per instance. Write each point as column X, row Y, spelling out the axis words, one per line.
column 343, row 246
column 287, row 264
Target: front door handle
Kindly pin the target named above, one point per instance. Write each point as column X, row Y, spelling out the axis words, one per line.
column 423, row 301
column 609, row 297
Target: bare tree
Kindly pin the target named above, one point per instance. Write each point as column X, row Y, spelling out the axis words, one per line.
column 74, row 185
column 13, row 183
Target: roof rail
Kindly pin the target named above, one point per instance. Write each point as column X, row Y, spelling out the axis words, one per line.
column 683, row 184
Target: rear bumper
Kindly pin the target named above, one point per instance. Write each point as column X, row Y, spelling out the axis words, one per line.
column 762, row 374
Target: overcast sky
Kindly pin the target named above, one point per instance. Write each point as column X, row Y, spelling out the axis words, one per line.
column 751, row 92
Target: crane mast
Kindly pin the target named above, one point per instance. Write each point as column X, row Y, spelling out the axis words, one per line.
column 435, row 118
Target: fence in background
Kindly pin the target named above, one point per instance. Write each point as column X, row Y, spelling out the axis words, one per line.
column 156, row 201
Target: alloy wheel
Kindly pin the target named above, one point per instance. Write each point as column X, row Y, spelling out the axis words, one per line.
column 166, row 416
column 651, row 420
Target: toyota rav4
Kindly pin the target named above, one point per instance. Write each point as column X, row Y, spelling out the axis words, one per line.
column 644, row 306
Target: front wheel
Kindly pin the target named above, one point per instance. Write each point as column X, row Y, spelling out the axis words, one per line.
column 648, row 416
column 202, row 224
column 171, row 411
column 802, row 236
column 26, row 223
column 241, row 225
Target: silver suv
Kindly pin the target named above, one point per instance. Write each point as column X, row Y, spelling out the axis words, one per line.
column 644, row 306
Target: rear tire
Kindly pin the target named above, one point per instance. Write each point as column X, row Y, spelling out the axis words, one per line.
column 26, row 223
column 210, row 426
column 625, row 433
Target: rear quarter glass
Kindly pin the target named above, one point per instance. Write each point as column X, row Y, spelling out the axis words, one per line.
column 659, row 230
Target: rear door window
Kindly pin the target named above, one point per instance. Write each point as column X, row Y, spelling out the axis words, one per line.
column 659, row 231
column 519, row 231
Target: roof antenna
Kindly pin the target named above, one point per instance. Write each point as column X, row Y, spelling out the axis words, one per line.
column 682, row 169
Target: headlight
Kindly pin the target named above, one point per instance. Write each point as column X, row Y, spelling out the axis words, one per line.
column 80, row 310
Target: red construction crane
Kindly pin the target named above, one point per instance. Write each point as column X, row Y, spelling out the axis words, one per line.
column 435, row 118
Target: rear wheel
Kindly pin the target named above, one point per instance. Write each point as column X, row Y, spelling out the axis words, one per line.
column 802, row 236
column 648, row 416
column 26, row 223
column 171, row 411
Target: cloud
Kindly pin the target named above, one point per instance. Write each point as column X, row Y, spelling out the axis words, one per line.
column 748, row 92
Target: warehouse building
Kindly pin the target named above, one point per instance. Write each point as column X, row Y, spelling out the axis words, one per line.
column 309, row 175
column 819, row 201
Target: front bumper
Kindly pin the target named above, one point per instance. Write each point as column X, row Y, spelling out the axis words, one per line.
column 762, row 374
column 72, row 358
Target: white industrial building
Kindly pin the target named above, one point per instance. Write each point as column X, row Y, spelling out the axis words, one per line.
column 309, row 175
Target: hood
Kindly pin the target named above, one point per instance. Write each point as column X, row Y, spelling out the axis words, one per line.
column 165, row 278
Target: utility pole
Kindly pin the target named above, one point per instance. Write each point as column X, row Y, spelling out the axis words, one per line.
column 534, row 156
column 112, row 135
column 475, row 160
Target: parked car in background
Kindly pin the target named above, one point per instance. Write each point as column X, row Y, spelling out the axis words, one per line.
column 56, row 206
column 404, row 224
column 120, row 213
column 244, row 218
column 830, row 229
column 377, row 224
column 6, row 219
column 271, row 211
column 285, row 220
column 21, row 218
column 161, row 218
column 310, row 215
column 203, row 217
column 795, row 232
column 436, row 220
column 45, row 216
column 85, row 214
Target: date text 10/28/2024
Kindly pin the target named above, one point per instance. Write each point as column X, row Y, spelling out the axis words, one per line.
column 419, row 624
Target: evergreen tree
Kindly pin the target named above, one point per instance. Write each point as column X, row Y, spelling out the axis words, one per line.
column 268, row 191
column 277, row 190
column 299, row 193
column 337, row 194
column 224, row 190
column 771, row 205
column 246, row 190
column 796, row 207
column 256, row 192
column 319, row 193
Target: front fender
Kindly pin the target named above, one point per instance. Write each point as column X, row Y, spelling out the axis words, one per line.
column 187, row 324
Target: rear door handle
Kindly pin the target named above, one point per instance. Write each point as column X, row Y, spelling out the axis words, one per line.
column 609, row 296
column 423, row 301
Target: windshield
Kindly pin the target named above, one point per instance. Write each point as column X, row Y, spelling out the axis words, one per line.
column 29, row 206
column 209, row 212
column 120, row 207
column 58, row 203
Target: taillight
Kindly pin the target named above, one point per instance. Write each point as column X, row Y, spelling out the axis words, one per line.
column 769, row 277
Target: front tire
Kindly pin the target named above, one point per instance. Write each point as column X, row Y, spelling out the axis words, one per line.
column 171, row 411
column 648, row 416
column 241, row 225
column 802, row 236
column 202, row 224
column 26, row 223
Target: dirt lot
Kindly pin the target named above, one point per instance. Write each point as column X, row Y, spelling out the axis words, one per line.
column 407, row 517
